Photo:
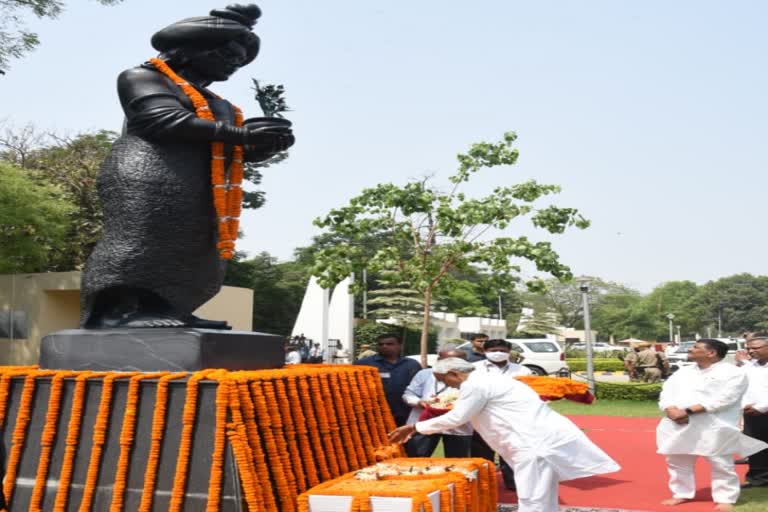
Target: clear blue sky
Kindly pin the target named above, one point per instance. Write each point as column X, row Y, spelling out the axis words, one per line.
column 651, row 115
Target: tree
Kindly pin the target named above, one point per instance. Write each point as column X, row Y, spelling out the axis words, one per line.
column 15, row 39
column 565, row 297
column 34, row 221
column 71, row 164
column 278, row 289
column 446, row 231
column 738, row 302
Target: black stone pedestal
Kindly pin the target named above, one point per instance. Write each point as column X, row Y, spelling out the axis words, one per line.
column 149, row 350
column 198, row 472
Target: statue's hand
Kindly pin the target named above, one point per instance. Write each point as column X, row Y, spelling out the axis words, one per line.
column 262, row 142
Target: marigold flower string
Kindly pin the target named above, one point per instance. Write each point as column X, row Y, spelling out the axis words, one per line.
column 73, row 438
column 302, row 431
column 185, row 445
column 47, row 438
column 158, row 428
column 254, row 440
column 227, row 194
column 291, row 437
column 24, row 415
column 99, row 437
column 127, row 433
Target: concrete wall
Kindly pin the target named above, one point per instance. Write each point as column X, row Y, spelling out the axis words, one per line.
column 51, row 302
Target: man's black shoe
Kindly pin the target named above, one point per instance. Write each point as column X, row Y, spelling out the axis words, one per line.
column 745, row 460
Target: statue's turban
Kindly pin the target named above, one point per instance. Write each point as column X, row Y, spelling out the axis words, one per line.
column 233, row 23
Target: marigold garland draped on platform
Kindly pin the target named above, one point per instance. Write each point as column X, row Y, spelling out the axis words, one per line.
column 281, row 425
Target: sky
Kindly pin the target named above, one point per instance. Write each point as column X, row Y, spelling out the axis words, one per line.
column 651, row 115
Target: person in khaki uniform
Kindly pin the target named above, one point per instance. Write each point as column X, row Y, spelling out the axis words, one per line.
column 648, row 363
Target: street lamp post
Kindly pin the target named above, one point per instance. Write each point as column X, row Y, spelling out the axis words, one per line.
column 671, row 317
column 679, row 339
column 588, row 337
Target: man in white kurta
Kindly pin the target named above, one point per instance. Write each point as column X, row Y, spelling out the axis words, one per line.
column 542, row 446
column 702, row 403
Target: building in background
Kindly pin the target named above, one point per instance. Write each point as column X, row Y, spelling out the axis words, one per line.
column 34, row 305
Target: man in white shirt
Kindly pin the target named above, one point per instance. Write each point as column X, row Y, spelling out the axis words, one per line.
column 424, row 387
column 755, row 405
column 542, row 446
column 702, row 403
column 497, row 353
column 497, row 361
column 292, row 355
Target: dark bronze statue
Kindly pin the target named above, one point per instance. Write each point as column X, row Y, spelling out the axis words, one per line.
column 158, row 259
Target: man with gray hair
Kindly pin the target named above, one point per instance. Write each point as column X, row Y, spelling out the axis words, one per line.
column 542, row 446
column 424, row 388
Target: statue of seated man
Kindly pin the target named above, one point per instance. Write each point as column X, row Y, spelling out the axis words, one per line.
column 170, row 188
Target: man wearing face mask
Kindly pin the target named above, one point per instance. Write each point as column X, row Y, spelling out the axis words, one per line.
column 497, row 359
column 497, row 362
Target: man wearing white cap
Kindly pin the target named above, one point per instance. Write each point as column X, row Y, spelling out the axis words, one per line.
column 542, row 446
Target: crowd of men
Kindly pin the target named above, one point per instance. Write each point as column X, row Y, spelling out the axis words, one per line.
column 712, row 409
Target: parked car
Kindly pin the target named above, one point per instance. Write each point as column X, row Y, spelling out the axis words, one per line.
column 679, row 357
column 597, row 346
column 542, row 356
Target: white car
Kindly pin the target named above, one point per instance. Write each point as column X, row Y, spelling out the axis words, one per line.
column 542, row 356
column 597, row 346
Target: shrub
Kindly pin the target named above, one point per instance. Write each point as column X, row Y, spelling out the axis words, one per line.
column 600, row 365
column 623, row 391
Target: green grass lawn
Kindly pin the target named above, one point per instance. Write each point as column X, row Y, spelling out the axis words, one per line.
column 629, row 408
column 753, row 500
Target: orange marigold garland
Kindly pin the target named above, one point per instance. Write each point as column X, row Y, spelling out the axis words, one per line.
column 262, row 406
column 99, row 437
column 254, row 440
column 20, row 431
column 291, row 437
column 219, row 442
column 73, row 437
column 127, row 433
column 302, row 431
column 287, row 492
column 185, row 445
column 355, row 426
column 314, row 429
column 227, row 193
column 47, row 438
column 158, row 428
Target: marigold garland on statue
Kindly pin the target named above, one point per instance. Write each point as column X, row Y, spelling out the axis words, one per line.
column 227, row 191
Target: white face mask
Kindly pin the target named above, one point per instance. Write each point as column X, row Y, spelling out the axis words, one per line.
column 497, row 357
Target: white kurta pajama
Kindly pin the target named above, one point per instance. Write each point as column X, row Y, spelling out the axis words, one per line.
column 540, row 445
column 713, row 434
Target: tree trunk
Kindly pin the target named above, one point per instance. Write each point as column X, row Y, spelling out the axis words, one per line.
column 425, row 327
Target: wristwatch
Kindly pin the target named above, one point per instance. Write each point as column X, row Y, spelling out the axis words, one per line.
column 689, row 411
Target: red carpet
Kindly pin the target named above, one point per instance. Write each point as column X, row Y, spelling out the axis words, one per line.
column 641, row 484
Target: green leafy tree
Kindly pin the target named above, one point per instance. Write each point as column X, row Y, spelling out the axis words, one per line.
column 34, row 221
column 446, row 231
column 565, row 297
column 397, row 301
column 740, row 302
column 278, row 290
column 16, row 39
column 73, row 165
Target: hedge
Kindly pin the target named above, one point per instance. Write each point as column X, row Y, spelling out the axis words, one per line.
column 631, row 391
column 600, row 365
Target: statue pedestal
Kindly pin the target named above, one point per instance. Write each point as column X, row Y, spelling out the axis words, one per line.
column 151, row 350
column 198, row 471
